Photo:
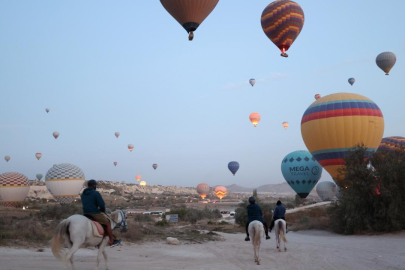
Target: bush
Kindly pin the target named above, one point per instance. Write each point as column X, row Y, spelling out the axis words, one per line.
column 374, row 197
column 194, row 215
column 58, row 212
column 143, row 218
column 162, row 223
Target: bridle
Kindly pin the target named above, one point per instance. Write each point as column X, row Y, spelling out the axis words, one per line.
column 122, row 223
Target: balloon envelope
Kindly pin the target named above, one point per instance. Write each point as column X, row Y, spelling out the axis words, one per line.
column 7, row 158
column 254, row 118
column 233, row 166
column 189, row 13
column 351, row 81
column 220, row 191
column 335, row 123
column 138, row 177
column 130, row 147
column 285, row 125
column 142, row 183
column 203, row 190
column 386, row 61
column 64, row 181
column 115, row 163
column 39, row 176
column 317, row 96
column 14, row 187
column 154, row 166
column 117, row 134
column 393, row 144
column 38, row 155
column 47, row 110
column 282, row 22
column 301, row 171
column 252, row 82
column 326, row 191
column 56, row 135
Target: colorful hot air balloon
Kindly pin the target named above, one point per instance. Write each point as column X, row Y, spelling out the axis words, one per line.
column 285, row 125
column 39, row 176
column 38, row 155
column 393, row 144
column 142, row 183
column 14, row 187
column 335, row 123
column 7, row 158
column 233, row 166
column 386, row 61
column 301, row 171
column 252, row 82
column 117, row 134
column 130, row 147
column 115, row 163
column 326, row 191
column 56, row 134
column 47, row 110
column 282, row 22
column 154, row 166
column 351, row 81
column 203, row 189
column 220, row 191
column 254, row 118
column 189, row 13
column 317, row 96
column 138, row 177
column 64, row 181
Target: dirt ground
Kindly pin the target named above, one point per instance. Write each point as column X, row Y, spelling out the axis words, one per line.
column 306, row 250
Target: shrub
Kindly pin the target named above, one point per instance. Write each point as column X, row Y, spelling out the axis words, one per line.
column 194, row 215
column 143, row 218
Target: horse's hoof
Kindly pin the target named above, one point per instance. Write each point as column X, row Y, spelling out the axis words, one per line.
column 285, row 249
column 258, row 263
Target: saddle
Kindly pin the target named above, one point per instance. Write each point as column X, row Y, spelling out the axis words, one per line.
column 98, row 229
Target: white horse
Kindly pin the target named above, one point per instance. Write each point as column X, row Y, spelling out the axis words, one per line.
column 77, row 231
column 256, row 232
column 280, row 230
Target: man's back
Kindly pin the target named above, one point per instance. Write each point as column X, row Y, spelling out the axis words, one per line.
column 254, row 213
column 279, row 212
column 92, row 201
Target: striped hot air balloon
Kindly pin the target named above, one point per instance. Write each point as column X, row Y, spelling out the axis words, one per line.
column 335, row 123
column 393, row 144
column 203, row 190
column 220, row 191
column 282, row 22
column 64, row 181
column 14, row 187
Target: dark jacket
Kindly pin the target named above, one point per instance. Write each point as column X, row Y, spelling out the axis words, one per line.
column 92, row 201
column 254, row 213
column 279, row 212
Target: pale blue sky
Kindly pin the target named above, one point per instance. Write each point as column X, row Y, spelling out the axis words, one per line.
column 127, row 66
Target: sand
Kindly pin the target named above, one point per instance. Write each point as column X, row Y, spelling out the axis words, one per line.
column 306, row 250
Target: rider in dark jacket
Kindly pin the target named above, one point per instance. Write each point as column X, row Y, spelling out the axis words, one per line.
column 255, row 213
column 94, row 207
column 279, row 213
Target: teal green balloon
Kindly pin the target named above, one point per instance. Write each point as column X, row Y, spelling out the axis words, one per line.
column 301, row 171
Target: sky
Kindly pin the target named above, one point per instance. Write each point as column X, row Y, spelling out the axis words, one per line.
column 127, row 66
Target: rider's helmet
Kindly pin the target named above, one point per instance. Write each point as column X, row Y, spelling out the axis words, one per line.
column 92, row 183
column 252, row 200
column 278, row 202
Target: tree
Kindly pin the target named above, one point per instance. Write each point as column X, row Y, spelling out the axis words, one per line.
column 297, row 200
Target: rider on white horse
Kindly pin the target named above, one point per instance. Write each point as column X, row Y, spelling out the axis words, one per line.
column 94, row 207
column 279, row 213
column 255, row 213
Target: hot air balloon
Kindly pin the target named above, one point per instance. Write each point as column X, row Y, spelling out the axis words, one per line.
column 47, row 110
column 7, row 158
column 203, row 189
column 117, row 134
column 393, row 144
column 326, row 191
column 252, row 82
column 317, row 96
column 220, row 191
column 282, row 22
column 154, row 166
column 285, row 125
column 115, row 163
column 39, row 176
column 142, row 183
column 301, row 171
column 189, row 13
column 254, row 118
column 138, row 177
column 64, row 181
column 14, row 187
column 386, row 61
column 130, row 147
column 335, row 123
column 38, row 155
column 351, row 81
column 233, row 166
column 56, row 134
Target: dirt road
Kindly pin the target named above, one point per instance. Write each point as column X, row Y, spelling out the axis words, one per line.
column 306, row 250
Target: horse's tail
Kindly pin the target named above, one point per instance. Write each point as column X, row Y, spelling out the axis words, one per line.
column 281, row 230
column 61, row 235
column 258, row 227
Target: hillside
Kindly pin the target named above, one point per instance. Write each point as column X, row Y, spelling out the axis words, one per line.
column 282, row 188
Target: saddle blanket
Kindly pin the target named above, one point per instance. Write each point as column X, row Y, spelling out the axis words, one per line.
column 98, row 230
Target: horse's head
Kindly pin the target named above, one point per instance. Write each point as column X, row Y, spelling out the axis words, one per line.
column 120, row 219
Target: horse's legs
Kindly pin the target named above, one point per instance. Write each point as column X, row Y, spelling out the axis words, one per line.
column 69, row 256
column 105, row 259
column 72, row 262
column 102, row 251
